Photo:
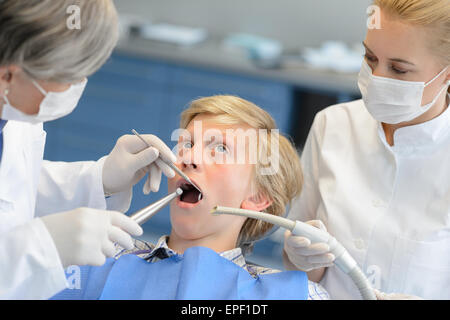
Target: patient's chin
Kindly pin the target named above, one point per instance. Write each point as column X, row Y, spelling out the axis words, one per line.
column 188, row 232
column 182, row 219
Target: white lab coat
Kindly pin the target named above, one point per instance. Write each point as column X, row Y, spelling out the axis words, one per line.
column 389, row 206
column 30, row 267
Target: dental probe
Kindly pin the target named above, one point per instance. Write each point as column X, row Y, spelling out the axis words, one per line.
column 169, row 163
column 343, row 259
column 143, row 215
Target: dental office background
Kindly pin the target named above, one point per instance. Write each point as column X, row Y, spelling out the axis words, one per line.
column 290, row 57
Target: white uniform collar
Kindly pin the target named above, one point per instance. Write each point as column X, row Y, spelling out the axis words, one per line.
column 421, row 135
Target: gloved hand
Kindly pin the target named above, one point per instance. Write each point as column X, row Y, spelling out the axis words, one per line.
column 131, row 159
column 394, row 296
column 86, row 236
column 304, row 255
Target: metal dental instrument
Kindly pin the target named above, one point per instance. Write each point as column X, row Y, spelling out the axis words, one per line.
column 343, row 259
column 169, row 163
column 143, row 215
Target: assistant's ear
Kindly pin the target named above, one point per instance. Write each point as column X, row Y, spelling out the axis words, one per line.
column 256, row 202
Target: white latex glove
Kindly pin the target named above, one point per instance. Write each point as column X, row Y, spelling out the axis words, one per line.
column 87, row 236
column 395, row 296
column 304, row 255
column 131, row 159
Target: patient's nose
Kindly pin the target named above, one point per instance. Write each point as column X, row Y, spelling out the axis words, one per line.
column 190, row 159
column 191, row 166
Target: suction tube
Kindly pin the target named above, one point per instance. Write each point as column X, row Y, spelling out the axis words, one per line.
column 343, row 259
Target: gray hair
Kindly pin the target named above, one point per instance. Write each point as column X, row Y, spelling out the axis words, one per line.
column 34, row 35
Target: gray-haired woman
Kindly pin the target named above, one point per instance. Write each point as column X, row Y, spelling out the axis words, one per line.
column 44, row 65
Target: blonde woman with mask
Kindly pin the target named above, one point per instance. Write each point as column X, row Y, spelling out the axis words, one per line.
column 377, row 170
column 53, row 215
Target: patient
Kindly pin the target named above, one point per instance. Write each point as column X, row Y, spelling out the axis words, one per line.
column 229, row 150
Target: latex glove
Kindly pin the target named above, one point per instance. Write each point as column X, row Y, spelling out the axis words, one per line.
column 130, row 160
column 304, row 255
column 87, row 236
column 395, row 296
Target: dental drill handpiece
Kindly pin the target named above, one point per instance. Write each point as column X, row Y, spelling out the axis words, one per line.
column 143, row 215
column 343, row 259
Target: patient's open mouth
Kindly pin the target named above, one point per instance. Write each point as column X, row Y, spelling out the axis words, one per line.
column 190, row 193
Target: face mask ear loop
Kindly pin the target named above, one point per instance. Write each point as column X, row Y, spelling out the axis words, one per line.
column 5, row 98
column 39, row 88
column 439, row 74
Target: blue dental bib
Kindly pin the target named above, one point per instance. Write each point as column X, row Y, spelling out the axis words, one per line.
column 200, row 273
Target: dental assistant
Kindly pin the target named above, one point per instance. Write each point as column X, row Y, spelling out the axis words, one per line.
column 377, row 170
column 56, row 214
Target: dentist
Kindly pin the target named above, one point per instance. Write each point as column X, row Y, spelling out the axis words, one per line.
column 377, row 170
column 56, row 214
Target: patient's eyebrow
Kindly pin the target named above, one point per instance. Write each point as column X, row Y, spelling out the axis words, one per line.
column 213, row 139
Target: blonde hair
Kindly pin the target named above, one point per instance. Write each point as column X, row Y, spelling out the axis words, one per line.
column 281, row 186
column 431, row 14
column 34, row 34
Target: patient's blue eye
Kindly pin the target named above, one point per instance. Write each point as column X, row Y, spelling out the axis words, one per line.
column 187, row 145
column 221, row 148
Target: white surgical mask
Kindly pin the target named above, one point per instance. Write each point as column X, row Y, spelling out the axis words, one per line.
column 55, row 105
column 393, row 101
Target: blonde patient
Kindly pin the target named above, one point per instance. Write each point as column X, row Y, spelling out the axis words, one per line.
column 238, row 184
column 228, row 182
column 225, row 148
